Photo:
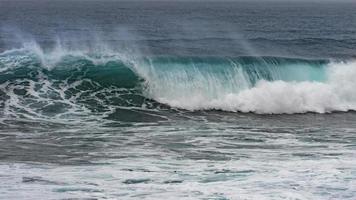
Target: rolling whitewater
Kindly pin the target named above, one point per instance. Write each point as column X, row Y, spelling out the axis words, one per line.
column 177, row 100
column 58, row 82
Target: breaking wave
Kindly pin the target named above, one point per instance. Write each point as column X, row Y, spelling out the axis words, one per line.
column 63, row 83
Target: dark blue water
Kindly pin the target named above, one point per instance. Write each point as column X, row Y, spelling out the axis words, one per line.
column 180, row 100
column 190, row 28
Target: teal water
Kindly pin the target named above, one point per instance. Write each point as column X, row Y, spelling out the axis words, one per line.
column 177, row 100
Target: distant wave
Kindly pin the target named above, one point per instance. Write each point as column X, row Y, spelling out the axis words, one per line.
column 35, row 83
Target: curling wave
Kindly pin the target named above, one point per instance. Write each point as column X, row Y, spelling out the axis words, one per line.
column 36, row 84
column 264, row 86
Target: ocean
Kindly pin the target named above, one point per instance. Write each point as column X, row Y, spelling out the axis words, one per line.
column 177, row 100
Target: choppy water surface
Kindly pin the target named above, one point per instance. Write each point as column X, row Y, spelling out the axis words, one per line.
column 185, row 100
column 206, row 155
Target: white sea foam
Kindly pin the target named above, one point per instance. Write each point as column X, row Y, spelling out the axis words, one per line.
column 336, row 93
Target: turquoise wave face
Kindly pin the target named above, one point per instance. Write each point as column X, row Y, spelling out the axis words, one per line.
column 112, row 71
column 233, row 73
column 83, row 84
